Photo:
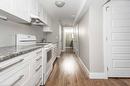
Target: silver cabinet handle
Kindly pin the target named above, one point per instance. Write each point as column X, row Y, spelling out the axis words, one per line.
column 38, row 68
column 20, row 77
column 4, row 68
column 39, row 58
column 39, row 52
column 38, row 82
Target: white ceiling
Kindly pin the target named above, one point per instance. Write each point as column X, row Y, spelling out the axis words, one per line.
column 67, row 14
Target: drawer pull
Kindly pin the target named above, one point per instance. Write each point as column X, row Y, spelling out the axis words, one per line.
column 39, row 52
column 38, row 68
column 39, row 58
column 2, row 69
column 20, row 77
column 38, row 82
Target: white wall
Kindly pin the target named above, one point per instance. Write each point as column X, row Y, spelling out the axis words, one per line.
column 76, row 39
column 54, row 36
column 8, row 29
column 84, row 40
column 91, row 38
column 96, row 38
column 60, row 40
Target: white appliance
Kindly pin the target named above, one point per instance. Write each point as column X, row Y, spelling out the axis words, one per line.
column 47, row 52
column 48, row 60
column 22, row 39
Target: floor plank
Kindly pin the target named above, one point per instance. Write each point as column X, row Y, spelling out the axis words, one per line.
column 68, row 72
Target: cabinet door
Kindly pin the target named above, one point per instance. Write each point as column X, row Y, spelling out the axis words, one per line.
column 21, row 9
column 6, row 5
column 45, row 16
column 34, row 7
column 49, row 21
column 40, row 11
column 20, row 78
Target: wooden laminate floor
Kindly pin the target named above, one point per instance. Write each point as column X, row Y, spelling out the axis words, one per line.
column 68, row 72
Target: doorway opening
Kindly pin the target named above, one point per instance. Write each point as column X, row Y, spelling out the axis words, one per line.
column 68, row 39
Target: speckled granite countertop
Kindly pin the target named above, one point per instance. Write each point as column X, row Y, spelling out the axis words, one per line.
column 14, row 51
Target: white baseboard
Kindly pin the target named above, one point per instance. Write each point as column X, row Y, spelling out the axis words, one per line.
column 93, row 75
column 97, row 76
column 84, row 67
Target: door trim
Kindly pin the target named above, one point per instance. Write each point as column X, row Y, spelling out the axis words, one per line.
column 105, row 38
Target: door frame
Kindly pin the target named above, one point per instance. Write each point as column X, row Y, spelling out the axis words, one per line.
column 64, row 40
column 105, row 39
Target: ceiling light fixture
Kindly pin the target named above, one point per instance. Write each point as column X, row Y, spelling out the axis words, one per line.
column 60, row 3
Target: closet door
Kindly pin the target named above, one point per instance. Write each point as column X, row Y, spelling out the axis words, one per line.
column 117, row 44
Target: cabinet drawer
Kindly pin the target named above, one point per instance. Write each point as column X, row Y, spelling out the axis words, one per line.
column 38, row 52
column 37, row 77
column 38, row 58
column 47, row 74
column 38, row 80
column 37, row 61
column 10, row 66
column 19, row 78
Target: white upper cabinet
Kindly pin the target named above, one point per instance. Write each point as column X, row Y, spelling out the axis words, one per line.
column 49, row 21
column 22, row 10
column 15, row 10
column 34, row 8
column 47, row 29
column 45, row 15
column 42, row 13
column 6, row 5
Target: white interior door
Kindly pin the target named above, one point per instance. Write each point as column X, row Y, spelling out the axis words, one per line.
column 117, row 27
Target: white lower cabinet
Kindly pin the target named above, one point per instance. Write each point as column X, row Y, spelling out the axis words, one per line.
column 25, row 70
column 19, row 78
column 37, row 78
column 46, row 75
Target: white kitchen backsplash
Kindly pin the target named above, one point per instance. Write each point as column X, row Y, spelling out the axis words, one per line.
column 9, row 29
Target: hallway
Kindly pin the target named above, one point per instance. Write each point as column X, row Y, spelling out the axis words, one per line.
column 68, row 72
